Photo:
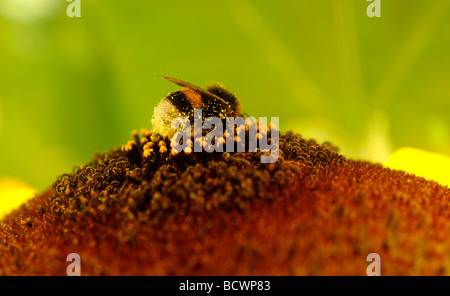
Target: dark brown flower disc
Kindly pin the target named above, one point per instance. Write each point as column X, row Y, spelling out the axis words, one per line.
column 132, row 212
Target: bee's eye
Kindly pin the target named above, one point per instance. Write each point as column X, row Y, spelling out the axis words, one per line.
column 180, row 101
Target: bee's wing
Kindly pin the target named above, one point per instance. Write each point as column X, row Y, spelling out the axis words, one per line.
column 193, row 87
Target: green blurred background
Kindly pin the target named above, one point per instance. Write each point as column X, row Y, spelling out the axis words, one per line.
column 73, row 86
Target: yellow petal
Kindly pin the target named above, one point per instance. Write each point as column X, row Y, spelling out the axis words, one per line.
column 13, row 193
column 421, row 163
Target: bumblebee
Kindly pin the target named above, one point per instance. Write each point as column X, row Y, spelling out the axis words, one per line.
column 215, row 100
